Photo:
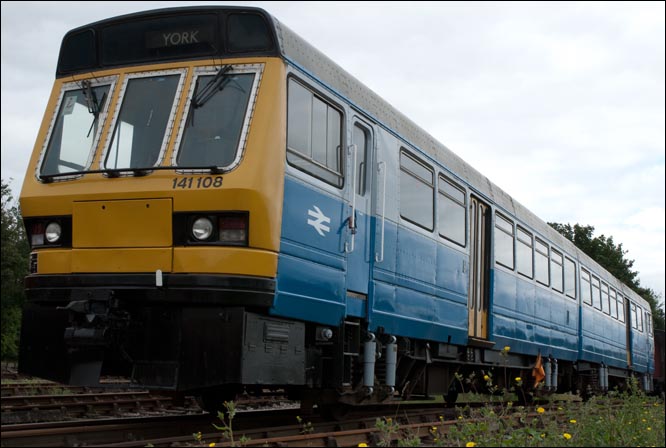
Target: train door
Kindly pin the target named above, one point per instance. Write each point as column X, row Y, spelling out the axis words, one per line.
column 479, row 218
column 358, row 246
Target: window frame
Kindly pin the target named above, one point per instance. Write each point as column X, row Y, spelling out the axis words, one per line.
column 257, row 70
column 537, row 253
column 169, row 129
column 308, row 159
column 112, row 82
column 511, row 224
column 573, row 276
column 530, row 246
column 442, row 178
column 587, row 280
column 560, row 263
column 403, row 169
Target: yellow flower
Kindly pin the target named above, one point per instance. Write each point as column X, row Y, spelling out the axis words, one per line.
column 363, row 444
column 566, row 435
column 211, row 444
column 649, row 428
column 470, row 444
column 486, row 377
column 507, row 348
column 460, row 417
column 541, row 410
column 572, row 421
column 518, row 379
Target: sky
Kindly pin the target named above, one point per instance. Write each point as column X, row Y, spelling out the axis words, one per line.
column 562, row 105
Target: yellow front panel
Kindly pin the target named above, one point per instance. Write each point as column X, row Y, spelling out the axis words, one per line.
column 57, row 261
column 134, row 223
column 229, row 260
column 121, row 260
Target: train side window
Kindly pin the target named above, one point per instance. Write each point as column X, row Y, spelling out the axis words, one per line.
column 451, row 211
column 596, row 292
column 605, row 305
column 613, row 303
column 524, row 253
column 556, row 270
column 360, row 138
column 503, row 241
column 416, row 191
column 314, row 129
column 620, row 307
column 634, row 320
column 541, row 257
column 648, row 323
column 570, row 278
column 639, row 315
column 585, row 287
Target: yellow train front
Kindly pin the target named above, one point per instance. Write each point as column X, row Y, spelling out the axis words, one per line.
column 153, row 202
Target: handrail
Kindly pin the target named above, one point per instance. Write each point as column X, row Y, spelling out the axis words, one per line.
column 380, row 257
column 349, row 248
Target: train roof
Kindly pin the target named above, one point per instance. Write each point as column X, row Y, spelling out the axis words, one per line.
column 88, row 48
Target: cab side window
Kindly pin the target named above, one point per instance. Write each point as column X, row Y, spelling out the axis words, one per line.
column 314, row 134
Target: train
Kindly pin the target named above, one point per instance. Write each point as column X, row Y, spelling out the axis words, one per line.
column 214, row 207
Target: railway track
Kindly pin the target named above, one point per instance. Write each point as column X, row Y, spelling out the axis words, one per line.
column 274, row 427
column 36, row 408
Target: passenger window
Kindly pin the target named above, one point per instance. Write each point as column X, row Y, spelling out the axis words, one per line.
column 605, row 305
column 416, row 191
column 556, row 270
column 541, row 257
column 360, row 138
column 596, row 293
column 634, row 319
column 524, row 254
column 613, row 303
column 639, row 314
column 585, row 287
column 648, row 323
column 620, row 307
column 503, row 241
column 451, row 212
column 570, row 278
column 314, row 129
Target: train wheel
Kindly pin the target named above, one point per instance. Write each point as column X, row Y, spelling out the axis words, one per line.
column 451, row 395
column 334, row 411
column 212, row 400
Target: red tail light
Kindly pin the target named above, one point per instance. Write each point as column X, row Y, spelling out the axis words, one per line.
column 233, row 229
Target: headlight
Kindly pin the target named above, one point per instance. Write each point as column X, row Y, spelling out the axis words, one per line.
column 202, row 229
column 53, row 232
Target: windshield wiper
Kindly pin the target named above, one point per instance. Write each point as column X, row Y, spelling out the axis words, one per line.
column 138, row 172
column 94, row 106
column 216, row 84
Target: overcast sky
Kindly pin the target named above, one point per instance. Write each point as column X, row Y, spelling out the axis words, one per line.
column 559, row 104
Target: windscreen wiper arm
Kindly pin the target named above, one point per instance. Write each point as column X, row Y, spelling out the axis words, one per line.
column 94, row 106
column 215, row 85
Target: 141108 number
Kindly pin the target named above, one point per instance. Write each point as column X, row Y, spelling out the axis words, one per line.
column 196, row 182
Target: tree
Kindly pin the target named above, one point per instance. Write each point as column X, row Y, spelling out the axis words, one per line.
column 611, row 257
column 15, row 255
